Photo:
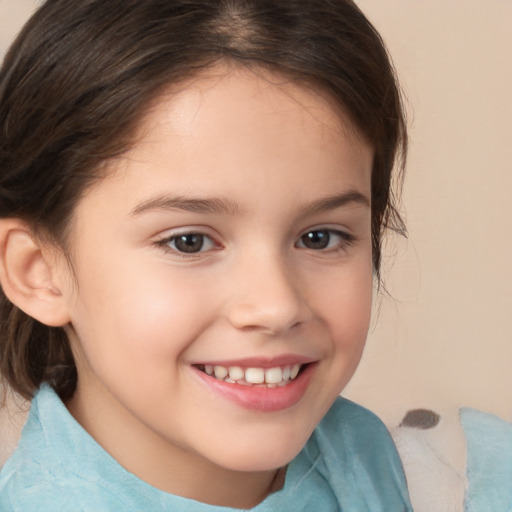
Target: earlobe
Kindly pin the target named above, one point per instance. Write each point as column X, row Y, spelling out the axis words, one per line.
column 27, row 274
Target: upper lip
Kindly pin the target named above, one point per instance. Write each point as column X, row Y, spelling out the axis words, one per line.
column 260, row 362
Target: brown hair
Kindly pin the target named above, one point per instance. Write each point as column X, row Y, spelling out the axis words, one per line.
column 82, row 73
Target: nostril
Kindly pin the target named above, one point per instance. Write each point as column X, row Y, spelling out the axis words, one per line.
column 271, row 313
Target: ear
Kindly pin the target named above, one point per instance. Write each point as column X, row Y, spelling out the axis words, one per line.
column 28, row 271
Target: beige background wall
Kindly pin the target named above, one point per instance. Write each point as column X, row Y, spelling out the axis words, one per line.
column 446, row 338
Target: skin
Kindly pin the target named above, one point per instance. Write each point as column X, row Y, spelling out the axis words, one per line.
column 142, row 313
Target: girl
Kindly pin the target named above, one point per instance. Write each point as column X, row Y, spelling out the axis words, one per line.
column 193, row 195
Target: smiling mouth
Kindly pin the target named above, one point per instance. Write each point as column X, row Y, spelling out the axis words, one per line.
column 278, row 376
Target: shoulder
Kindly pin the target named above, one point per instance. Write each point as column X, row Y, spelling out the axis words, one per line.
column 32, row 488
column 489, row 460
column 352, row 424
column 41, row 474
column 357, row 453
column 26, row 485
column 349, row 430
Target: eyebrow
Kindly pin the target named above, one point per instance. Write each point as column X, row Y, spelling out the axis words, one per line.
column 218, row 205
column 336, row 201
column 195, row 205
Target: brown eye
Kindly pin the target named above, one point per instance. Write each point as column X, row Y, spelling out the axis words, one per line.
column 318, row 239
column 321, row 239
column 188, row 243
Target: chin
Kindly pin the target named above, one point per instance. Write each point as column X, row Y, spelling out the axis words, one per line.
column 259, row 464
column 266, row 455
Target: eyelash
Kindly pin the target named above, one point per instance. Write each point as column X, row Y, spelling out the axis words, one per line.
column 345, row 240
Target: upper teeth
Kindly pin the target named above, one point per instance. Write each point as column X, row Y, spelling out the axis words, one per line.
column 277, row 376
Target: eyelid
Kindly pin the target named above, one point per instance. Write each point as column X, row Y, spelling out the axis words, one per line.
column 187, row 230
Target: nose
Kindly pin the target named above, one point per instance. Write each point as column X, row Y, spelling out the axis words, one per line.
column 266, row 295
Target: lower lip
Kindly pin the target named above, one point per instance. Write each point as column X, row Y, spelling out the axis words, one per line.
column 260, row 398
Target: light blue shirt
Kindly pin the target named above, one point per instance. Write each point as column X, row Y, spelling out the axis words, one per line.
column 489, row 466
column 349, row 464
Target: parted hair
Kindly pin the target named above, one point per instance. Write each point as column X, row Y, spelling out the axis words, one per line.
column 82, row 73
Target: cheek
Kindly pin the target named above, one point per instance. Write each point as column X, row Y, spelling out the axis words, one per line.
column 345, row 303
column 140, row 319
column 348, row 316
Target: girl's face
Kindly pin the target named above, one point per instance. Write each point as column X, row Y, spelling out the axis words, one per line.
column 222, row 280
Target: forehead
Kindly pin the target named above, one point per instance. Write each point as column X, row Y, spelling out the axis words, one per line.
column 245, row 100
column 234, row 130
